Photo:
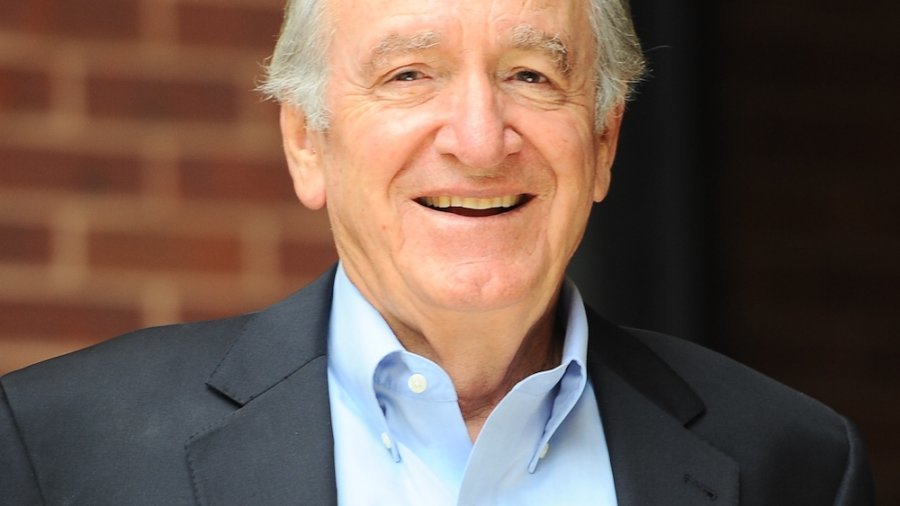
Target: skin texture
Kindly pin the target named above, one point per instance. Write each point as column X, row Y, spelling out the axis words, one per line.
column 473, row 98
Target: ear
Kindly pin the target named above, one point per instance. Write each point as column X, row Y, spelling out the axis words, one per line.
column 607, row 142
column 304, row 163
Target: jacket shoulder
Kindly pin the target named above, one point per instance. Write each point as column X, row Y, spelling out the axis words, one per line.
column 783, row 439
column 721, row 380
column 112, row 418
column 137, row 353
column 132, row 380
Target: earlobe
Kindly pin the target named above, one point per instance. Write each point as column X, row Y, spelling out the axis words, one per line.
column 607, row 142
column 304, row 162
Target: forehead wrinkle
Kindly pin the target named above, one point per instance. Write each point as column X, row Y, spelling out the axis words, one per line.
column 528, row 38
column 396, row 44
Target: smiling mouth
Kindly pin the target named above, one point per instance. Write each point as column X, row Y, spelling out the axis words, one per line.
column 473, row 206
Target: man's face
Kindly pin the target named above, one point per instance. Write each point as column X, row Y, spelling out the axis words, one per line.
column 461, row 161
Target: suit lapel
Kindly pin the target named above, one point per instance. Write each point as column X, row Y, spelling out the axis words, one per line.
column 645, row 407
column 277, row 447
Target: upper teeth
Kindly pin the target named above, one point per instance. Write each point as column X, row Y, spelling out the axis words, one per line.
column 443, row 202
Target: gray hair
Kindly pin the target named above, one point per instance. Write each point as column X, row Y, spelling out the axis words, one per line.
column 297, row 73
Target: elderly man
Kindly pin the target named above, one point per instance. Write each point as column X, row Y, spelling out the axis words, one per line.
column 458, row 148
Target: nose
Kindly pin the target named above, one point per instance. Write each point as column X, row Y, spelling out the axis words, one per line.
column 476, row 131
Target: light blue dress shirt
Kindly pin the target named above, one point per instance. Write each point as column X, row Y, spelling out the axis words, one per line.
column 400, row 437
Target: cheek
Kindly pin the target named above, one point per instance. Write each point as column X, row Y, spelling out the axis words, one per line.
column 568, row 149
column 359, row 189
column 380, row 144
column 573, row 163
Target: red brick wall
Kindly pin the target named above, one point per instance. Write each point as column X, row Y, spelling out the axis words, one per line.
column 142, row 179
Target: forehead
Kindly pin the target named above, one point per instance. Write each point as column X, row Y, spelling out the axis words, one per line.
column 368, row 21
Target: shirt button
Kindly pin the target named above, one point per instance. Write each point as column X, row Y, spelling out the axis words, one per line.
column 544, row 451
column 386, row 440
column 417, row 383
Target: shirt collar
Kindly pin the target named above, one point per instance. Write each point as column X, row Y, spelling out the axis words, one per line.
column 576, row 342
column 359, row 339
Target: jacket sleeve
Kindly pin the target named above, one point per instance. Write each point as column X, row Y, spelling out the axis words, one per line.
column 18, row 484
column 857, row 487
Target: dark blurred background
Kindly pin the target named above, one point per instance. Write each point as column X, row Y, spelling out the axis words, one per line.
column 755, row 205
column 753, row 208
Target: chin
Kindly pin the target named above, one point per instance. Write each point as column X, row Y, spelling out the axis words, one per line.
column 482, row 287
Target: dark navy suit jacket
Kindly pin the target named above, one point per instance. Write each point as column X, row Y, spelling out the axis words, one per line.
column 236, row 412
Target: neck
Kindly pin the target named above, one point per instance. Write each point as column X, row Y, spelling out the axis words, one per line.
column 486, row 355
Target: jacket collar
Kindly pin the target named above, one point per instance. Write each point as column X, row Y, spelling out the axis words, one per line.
column 646, row 409
column 276, row 342
column 277, row 448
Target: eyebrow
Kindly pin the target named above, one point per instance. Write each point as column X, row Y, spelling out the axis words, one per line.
column 527, row 37
column 395, row 44
column 524, row 37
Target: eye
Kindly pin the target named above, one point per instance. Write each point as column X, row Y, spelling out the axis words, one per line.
column 530, row 77
column 407, row 76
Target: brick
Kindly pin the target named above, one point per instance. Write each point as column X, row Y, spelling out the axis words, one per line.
column 24, row 244
column 12, row 13
column 306, row 259
column 60, row 170
column 250, row 181
column 106, row 19
column 23, row 90
column 87, row 19
column 158, row 251
column 238, row 26
column 151, row 99
column 69, row 320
